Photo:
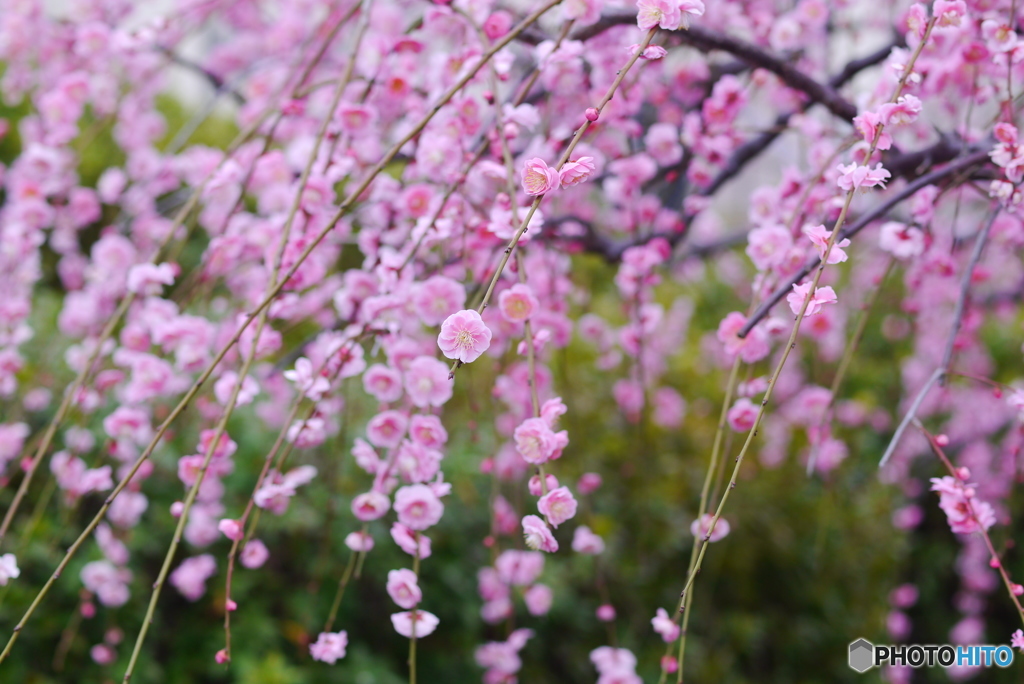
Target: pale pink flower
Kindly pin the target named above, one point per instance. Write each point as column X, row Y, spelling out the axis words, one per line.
column 856, row 177
column 538, row 177
column 225, row 386
column 438, row 297
column 665, row 626
column 538, row 599
column 588, row 483
column 949, row 12
column 427, row 431
column 329, row 647
column 535, row 487
column 768, row 247
column 190, row 577
column 519, row 568
column 517, row 303
column 665, row 14
column 822, row 296
column 669, row 408
column 901, row 240
column 586, row 542
column 411, row 542
column 688, row 8
column 419, row 621
column 538, row 536
column 965, row 513
column 576, row 171
column 558, row 505
column 605, row 612
column 537, row 443
column 8, row 568
column 701, row 527
column 370, row 505
column 149, row 279
column 464, row 336
column 820, row 237
column 383, row 383
column 403, row 588
column 311, row 384
column 418, row 507
column 387, row 428
column 360, row 542
column 1017, row 640
column 427, row 382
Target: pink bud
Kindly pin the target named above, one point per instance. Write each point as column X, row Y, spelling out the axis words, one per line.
column 231, row 606
column 994, row 562
column 489, row 541
column 606, row 612
column 669, row 664
column 592, row 114
column 942, row 440
column 963, row 472
column 222, row 657
column 88, row 610
column 487, row 466
column 1017, row 589
column 489, row 96
column 176, row 508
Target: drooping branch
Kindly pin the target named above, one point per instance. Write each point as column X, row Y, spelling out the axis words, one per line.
column 975, row 158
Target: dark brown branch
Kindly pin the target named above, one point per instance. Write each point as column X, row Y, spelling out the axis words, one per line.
column 958, row 166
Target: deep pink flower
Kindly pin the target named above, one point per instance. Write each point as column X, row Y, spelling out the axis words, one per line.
column 370, row 505
column 538, row 177
column 464, row 336
column 742, row 415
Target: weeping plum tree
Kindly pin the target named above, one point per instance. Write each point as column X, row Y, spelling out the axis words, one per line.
column 396, row 235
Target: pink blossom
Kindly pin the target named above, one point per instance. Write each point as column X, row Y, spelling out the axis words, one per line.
column 1017, row 640
column 403, row 588
column 225, row 386
column 742, row 415
column 538, row 536
column 538, row 178
column 360, row 542
column 329, row 647
column 464, row 336
column 665, row 626
column 8, row 568
column 387, row 428
column 519, row 568
column 605, row 612
column 558, row 505
column 965, row 513
column 665, row 14
column 517, row 303
column 428, row 431
column 701, row 527
column 419, row 622
column 822, row 296
column 538, row 599
column 820, row 237
column 189, row 578
column 856, row 177
column 418, row 507
column 751, row 348
column 149, row 279
column 311, row 384
column 576, row 171
column 949, row 12
column 370, row 506
column 411, row 542
column 900, row 240
column 769, row 246
column 588, row 483
column 383, row 383
column 254, row 554
column 586, row 542
column 427, row 382
column 537, row 443
column 232, row 529
column 437, row 298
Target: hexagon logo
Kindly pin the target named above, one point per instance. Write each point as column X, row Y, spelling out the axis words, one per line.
column 862, row 655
